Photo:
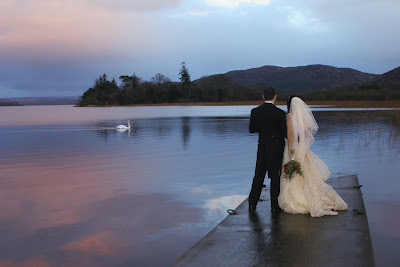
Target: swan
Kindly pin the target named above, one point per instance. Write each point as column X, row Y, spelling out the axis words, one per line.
column 124, row 127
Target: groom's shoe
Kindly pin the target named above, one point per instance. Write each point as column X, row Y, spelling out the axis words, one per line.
column 252, row 207
column 276, row 210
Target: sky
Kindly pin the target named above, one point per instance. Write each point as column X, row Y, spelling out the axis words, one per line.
column 59, row 47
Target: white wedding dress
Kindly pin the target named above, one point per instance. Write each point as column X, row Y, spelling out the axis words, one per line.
column 309, row 194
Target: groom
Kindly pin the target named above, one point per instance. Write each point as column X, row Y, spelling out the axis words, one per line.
column 270, row 123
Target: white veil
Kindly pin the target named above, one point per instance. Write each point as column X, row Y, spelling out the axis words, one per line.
column 304, row 127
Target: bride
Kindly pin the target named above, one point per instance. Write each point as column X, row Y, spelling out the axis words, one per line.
column 308, row 193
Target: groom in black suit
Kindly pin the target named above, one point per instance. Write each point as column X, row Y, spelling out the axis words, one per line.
column 270, row 123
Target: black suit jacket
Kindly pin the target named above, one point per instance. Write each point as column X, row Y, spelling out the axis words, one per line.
column 270, row 123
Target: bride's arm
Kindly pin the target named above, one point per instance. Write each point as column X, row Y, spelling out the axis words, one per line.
column 290, row 137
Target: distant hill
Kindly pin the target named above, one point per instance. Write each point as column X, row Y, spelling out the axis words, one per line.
column 27, row 101
column 389, row 80
column 302, row 78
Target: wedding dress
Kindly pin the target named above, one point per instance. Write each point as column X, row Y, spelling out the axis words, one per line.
column 308, row 194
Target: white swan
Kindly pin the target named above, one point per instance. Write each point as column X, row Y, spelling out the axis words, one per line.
column 124, row 127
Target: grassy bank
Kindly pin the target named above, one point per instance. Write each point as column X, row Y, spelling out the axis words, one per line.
column 359, row 103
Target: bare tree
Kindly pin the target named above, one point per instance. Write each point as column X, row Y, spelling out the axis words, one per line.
column 159, row 79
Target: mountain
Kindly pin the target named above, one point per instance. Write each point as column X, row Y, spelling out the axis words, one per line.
column 389, row 80
column 302, row 78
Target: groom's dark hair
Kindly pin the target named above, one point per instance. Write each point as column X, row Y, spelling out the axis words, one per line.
column 269, row 93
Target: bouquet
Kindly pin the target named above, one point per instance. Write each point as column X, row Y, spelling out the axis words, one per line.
column 290, row 168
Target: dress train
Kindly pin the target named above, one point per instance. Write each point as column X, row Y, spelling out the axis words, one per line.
column 309, row 194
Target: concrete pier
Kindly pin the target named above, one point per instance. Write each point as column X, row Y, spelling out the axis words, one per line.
column 263, row 239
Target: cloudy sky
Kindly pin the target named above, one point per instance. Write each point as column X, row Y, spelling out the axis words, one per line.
column 59, row 47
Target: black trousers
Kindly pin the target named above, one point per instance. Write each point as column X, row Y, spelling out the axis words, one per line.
column 269, row 159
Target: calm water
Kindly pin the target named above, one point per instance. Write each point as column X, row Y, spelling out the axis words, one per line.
column 75, row 190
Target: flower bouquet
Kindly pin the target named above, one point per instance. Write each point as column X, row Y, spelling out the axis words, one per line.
column 290, row 168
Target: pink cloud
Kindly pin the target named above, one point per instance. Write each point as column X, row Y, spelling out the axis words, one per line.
column 63, row 29
column 137, row 5
column 100, row 244
column 34, row 262
column 53, row 27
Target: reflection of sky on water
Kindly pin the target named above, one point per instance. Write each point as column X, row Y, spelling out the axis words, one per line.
column 84, row 191
column 100, row 233
column 220, row 205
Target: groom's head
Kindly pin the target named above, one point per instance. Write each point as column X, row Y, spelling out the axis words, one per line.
column 269, row 94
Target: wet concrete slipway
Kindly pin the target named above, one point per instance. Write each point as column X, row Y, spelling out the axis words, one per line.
column 263, row 239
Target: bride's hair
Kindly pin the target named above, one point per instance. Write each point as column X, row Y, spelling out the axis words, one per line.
column 289, row 102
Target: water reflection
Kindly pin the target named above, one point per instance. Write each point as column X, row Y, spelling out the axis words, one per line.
column 128, row 131
column 290, row 240
column 262, row 236
column 281, row 239
column 86, row 192
column 375, row 129
column 101, row 233
column 217, row 207
column 387, row 233
column 379, row 131
column 104, row 133
column 186, row 129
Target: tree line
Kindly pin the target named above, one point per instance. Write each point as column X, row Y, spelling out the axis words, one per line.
column 160, row 89
column 367, row 91
column 217, row 88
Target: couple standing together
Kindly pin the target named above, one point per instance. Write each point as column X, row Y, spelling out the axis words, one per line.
column 302, row 194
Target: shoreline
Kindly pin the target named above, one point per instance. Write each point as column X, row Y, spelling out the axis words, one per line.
column 336, row 103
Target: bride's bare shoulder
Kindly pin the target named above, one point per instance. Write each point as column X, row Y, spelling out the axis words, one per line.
column 288, row 119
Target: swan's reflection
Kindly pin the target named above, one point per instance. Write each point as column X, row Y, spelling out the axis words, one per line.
column 121, row 130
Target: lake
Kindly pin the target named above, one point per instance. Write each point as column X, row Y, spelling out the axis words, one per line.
column 76, row 191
